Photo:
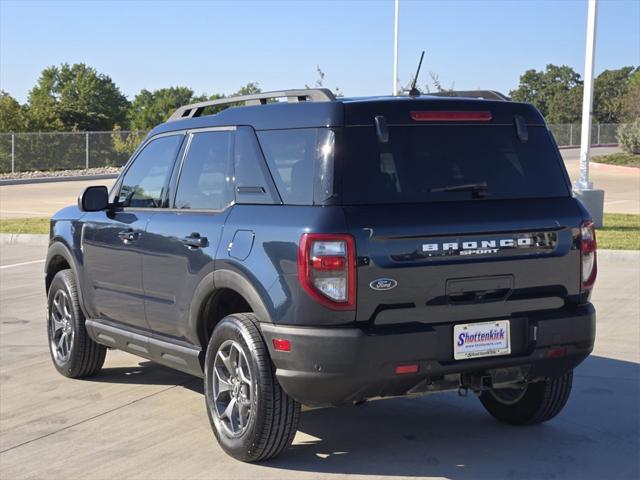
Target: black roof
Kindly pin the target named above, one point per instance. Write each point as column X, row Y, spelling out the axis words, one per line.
column 343, row 111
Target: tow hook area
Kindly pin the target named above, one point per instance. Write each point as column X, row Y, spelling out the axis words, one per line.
column 501, row 378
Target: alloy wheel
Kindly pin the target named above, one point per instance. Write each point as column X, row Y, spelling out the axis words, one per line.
column 232, row 388
column 61, row 326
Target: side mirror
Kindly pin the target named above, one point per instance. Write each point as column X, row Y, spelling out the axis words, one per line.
column 94, row 199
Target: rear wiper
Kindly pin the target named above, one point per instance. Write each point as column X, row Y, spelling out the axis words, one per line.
column 478, row 189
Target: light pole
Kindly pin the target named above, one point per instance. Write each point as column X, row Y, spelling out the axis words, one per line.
column 587, row 99
column 395, row 49
column 592, row 199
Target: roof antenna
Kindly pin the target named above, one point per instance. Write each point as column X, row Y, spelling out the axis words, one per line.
column 414, row 92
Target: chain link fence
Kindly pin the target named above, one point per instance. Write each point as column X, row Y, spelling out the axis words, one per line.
column 30, row 151
column 568, row 134
column 25, row 152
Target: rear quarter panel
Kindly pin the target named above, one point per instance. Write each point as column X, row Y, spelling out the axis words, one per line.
column 271, row 265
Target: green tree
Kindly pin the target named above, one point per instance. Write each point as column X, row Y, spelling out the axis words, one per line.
column 549, row 91
column 628, row 136
column 566, row 107
column 149, row 109
column 609, row 91
column 248, row 89
column 75, row 97
column 631, row 99
column 557, row 93
column 12, row 114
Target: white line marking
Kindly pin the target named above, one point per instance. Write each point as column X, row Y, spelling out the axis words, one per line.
column 21, row 264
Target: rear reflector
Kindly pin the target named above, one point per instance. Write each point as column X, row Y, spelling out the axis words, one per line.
column 451, row 116
column 557, row 352
column 281, row 345
column 412, row 368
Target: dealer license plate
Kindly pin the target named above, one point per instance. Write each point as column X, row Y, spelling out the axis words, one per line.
column 486, row 339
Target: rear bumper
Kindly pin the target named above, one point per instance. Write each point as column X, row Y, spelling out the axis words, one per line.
column 340, row 365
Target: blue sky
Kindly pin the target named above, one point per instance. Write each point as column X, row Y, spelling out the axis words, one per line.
column 215, row 46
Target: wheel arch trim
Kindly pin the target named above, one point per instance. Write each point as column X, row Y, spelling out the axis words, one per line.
column 58, row 248
column 220, row 279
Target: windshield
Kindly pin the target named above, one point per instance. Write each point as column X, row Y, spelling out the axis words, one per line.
column 449, row 163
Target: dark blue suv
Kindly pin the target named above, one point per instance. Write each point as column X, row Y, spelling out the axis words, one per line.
column 325, row 251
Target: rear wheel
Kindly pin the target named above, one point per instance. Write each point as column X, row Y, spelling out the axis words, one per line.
column 251, row 416
column 74, row 354
column 535, row 403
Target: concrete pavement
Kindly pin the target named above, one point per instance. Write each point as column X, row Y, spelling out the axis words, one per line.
column 621, row 187
column 140, row 420
column 41, row 199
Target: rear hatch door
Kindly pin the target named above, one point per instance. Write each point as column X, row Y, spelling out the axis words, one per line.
column 464, row 261
column 458, row 214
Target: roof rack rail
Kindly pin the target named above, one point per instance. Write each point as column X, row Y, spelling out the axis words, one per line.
column 486, row 94
column 292, row 96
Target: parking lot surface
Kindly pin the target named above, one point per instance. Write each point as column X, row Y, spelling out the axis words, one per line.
column 621, row 185
column 42, row 199
column 140, row 420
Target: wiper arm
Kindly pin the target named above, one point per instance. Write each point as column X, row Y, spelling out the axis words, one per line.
column 478, row 189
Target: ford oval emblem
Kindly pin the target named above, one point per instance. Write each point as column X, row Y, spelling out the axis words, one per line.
column 383, row 284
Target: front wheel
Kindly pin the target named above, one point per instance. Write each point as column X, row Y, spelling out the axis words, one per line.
column 251, row 416
column 73, row 352
column 535, row 403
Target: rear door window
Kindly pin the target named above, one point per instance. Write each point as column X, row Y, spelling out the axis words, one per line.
column 427, row 163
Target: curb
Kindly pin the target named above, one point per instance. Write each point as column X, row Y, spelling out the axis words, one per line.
column 596, row 145
column 613, row 168
column 24, row 239
column 22, row 181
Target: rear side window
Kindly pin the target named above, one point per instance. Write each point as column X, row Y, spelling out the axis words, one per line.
column 427, row 163
column 205, row 178
column 253, row 180
column 144, row 182
column 301, row 163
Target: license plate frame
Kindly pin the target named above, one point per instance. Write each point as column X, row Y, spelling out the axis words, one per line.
column 481, row 339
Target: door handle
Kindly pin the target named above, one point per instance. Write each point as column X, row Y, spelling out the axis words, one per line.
column 129, row 235
column 194, row 241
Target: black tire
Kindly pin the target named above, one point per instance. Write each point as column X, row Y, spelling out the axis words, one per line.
column 84, row 357
column 273, row 416
column 539, row 402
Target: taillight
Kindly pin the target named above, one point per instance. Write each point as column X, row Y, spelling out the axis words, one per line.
column 327, row 269
column 588, row 261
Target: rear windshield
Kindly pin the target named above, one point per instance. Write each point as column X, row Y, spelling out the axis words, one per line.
column 433, row 163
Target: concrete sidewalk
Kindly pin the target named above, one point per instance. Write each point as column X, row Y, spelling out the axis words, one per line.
column 139, row 420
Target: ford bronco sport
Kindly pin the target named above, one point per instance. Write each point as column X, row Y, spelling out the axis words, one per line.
column 324, row 251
